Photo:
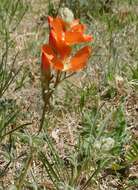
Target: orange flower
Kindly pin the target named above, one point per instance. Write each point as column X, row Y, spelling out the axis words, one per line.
column 77, row 62
column 68, row 33
column 57, row 54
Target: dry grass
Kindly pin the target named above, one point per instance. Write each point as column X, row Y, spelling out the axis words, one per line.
column 107, row 81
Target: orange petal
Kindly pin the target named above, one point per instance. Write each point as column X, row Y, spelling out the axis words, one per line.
column 74, row 23
column 46, row 48
column 80, row 59
column 58, row 25
column 49, row 59
column 72, row 38
column 50, row 20
column 53, row 41
column 45, row 62
column 53, row 22
column 78, row 28
column 57, row 64
column 59, row 46
column 47, row 56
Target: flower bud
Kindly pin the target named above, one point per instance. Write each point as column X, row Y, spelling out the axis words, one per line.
column 66, row 14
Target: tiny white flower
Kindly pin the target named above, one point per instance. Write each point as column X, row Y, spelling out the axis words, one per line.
column 107, row 143
column 104, row 144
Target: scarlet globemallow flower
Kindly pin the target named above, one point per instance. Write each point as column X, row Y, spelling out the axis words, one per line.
column 57, row 54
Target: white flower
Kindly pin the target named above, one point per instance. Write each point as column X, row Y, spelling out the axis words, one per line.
column 104, row 144
column 66, row 14
column 108, row 143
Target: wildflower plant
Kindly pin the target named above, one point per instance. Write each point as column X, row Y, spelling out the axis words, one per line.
column 58, row 58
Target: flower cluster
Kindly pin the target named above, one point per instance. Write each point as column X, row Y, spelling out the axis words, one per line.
column 57, row 54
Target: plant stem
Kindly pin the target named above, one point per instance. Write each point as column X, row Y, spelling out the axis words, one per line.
column 15, row 129
column 46, row 99
column 46, row 103
column 24, row 173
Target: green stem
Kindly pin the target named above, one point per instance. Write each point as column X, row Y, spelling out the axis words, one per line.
column 46, row 103
column 43, row 117
column 20, row 182
column 46, row 98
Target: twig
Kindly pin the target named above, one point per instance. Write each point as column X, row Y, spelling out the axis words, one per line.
column 89, row 180
column 68, row 76
column 15, row 129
